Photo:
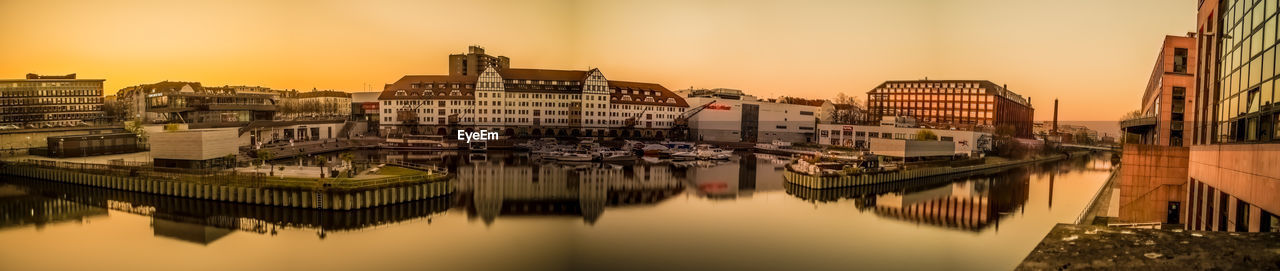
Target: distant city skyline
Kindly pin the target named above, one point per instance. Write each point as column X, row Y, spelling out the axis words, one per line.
column 1094, row 56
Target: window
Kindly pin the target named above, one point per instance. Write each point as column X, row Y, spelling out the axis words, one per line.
column 1180, row 60
column 1242, row 216
column 1269, row 222
column 1222, row 211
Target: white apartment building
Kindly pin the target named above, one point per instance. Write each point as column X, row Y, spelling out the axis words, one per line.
column 859, row 136
column 528, row 102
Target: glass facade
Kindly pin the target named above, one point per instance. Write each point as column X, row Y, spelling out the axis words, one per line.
column 1247, row 92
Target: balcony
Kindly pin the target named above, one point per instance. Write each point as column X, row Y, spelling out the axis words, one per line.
column 1139, row 125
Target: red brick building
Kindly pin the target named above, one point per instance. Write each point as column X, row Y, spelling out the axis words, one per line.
column 977, row 105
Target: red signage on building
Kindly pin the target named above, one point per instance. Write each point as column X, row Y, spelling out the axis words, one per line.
column 369, row 106
column 719, row 107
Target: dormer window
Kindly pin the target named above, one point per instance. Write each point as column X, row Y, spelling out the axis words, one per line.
column 671, row 100
column 400, row 93
column 626, row 98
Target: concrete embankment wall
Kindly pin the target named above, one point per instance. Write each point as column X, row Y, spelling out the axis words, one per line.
column 823, row 182
column 309, row 199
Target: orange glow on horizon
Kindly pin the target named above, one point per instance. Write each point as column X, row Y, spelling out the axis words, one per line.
column 1095, row 56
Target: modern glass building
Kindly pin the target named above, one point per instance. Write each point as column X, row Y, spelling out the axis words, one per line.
column 1234, row 163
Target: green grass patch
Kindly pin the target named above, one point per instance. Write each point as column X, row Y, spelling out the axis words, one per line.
column 399, row 171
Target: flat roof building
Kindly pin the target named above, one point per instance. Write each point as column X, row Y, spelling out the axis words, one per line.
column 475, row 61
column 978, row 105
column 1153, row 179
column 860, row 137
column 41, row 101
column 731, row 115
column 1165, row 107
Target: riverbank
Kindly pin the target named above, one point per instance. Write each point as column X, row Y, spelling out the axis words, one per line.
column 238, row 187
column 1070, row 246
column 825, row 182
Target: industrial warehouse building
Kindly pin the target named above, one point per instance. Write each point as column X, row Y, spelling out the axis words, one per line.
column 733, row 116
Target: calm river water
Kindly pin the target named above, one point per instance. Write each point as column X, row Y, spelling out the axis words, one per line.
column 515, row 213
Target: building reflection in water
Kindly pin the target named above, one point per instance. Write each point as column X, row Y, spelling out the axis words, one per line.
column 969, row 202
column 22, row 207
column 512, row 185
column 198, row 221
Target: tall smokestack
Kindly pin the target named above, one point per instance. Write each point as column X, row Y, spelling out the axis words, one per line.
column 1055, row 116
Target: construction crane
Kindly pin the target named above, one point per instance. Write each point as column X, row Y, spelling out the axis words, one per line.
column 409, row 117
column 634, row 120
column 681, row 123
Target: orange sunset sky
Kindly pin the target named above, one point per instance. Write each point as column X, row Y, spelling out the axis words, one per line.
column 1094, row 55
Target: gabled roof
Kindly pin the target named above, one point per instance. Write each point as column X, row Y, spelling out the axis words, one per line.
column 324, row 93
column 541, row 74
column 430, row 87
column 619, row 89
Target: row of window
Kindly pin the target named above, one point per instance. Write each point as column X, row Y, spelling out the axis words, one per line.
column 49, row 109
column 932, row 85
column 933, row 105
column 32, row 92
column 1210, row 210
column 933, row 97
column 54, row 116
column 51, row 101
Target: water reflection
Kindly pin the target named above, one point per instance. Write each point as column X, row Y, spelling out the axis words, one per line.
column 198, row 221
column 514, row 184
column 672, row 215
column 22, row 207
column 521, row 187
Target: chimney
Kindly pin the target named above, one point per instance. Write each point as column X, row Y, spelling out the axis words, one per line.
column 1055, row 116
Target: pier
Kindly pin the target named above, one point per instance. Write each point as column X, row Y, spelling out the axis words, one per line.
column 325, row 194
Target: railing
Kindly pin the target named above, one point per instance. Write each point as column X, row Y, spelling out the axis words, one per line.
column 1141, row 225
column 1115, row 172
column 222, row 177
column 1140, row 121
column 381, row 182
